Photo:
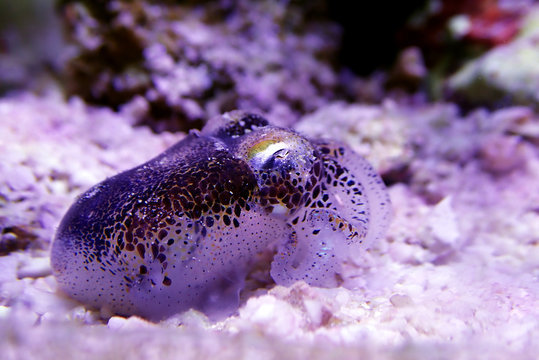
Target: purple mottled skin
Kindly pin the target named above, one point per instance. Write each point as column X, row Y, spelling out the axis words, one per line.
column 183, row 230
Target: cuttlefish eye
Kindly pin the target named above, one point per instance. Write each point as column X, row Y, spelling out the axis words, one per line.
column 277, row 160
column 268, row 155
column 283, row 163
column 280, row 151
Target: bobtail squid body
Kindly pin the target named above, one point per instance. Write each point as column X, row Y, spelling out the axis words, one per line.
column 184, row 229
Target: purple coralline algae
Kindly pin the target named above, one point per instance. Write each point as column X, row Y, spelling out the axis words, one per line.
column 188, row 64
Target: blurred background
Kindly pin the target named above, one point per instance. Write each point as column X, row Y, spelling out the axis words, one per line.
column 180, row 62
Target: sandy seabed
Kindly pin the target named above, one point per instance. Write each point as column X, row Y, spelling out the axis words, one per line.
column 455, row 277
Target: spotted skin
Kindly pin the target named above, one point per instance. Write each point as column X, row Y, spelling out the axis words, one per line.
column 348, row 208
column 183, row 230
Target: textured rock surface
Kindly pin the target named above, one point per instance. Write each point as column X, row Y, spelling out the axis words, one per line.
column 508, row 74
column 193, row 61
